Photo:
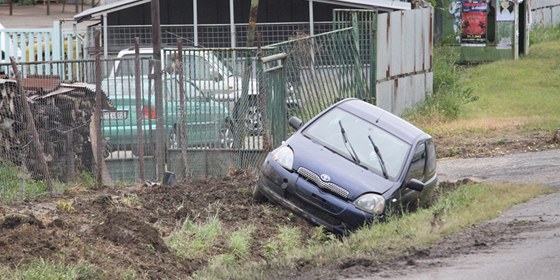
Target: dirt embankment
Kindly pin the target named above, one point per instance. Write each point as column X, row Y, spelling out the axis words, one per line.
column 119, row 229
column 125, row 228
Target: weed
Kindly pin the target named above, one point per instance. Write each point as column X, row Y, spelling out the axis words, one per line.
column 65, row 205
column 193, row 240
column 240, row 243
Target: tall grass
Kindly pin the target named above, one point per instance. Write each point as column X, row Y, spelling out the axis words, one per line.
column 16, row 184
column 453, row 212
column 450, row 92
column 544, row 34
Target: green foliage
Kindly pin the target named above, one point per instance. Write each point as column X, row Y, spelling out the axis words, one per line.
column 193, row 240
column 42, row 269
column 450, row 93
column 15, row 184
column 283, row 244
column 541, row 34
column 240, row 243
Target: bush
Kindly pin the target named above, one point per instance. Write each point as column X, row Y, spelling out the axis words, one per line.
column 450, row 95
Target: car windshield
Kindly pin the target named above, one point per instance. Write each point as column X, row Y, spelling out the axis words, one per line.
column 327, row 131
column 172, row 90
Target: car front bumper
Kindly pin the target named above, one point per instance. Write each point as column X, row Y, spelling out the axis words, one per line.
column 304, row 198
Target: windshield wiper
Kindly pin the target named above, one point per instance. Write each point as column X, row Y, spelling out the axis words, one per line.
column 381, row 162
column 347, row 143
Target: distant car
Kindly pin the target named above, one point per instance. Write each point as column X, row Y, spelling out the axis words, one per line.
column 350, row 165
column 208, row 122
column 213, row 75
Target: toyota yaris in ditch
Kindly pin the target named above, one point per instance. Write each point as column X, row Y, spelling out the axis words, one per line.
column 352, row 164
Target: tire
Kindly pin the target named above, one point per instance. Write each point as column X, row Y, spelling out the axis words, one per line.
column 226, row 137
column 258, row 197
column 248, row 116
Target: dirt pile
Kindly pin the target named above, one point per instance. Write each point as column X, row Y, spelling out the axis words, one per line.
column 125, row 228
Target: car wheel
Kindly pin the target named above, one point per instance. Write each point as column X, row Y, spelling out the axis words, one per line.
column 249, row 116
column 258, row 197
column 226, row 137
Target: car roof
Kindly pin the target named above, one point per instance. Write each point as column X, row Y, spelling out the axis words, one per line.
column 384, row 119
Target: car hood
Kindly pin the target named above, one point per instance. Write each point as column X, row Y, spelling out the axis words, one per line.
column 343, row 172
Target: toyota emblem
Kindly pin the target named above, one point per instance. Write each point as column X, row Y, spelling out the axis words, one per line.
column 325, row 177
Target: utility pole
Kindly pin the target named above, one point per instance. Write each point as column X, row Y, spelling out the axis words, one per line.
column 252, row 23
column 156, row 41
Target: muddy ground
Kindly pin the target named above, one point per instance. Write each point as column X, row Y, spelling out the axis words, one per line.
column 125, row 227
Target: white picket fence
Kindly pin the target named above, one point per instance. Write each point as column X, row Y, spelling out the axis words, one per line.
column 40, row 45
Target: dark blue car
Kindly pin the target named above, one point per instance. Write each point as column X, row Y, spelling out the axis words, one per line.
column 350, row 165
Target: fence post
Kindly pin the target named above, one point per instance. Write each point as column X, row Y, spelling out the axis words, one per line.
column 183, row 129
column 102, row 173
column 138, row 107
column 31, row 127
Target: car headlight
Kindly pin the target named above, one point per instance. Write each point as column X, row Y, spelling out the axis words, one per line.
column 285, row 157
column 371, row 203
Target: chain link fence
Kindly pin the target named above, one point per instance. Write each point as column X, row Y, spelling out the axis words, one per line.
column 223, row 108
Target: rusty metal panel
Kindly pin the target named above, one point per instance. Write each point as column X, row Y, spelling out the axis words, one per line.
column 385, row 95
column 395, row 44
column 408, row 46
column 427, row 35
column 383, row 46
column 418, row 42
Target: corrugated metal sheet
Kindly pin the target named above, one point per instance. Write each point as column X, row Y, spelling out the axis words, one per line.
column 404, row 69
column 545, row 12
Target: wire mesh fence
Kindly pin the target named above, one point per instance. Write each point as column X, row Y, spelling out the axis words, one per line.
column 222, row 108
column 206, row 35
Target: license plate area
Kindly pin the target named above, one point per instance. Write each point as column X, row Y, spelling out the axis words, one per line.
column 115, row 115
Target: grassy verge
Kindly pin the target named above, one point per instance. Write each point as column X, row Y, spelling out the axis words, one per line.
column 495, row 103
column 454, row 211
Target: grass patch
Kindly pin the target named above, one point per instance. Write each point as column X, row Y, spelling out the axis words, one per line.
column 454, row 211
column 40, row 269
column 510, row 95
column 450, row 91
column 195, row 240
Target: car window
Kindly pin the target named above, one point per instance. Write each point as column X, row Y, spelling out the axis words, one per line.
column 418, row 164
column 198, row 68
column 125, row 66
column 326, row 131
column 171, row 92
column 431, row 158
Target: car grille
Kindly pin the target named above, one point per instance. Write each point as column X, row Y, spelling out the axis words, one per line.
column 333, row 188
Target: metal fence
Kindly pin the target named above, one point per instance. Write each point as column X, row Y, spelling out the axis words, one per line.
column 545, row 13
column 206, row 35
column 221, row 108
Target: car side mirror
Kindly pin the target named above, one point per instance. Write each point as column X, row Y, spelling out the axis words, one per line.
column 416, row 185
column 295, row 122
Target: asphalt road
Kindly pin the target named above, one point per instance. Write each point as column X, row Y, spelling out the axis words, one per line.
column 535, row 254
